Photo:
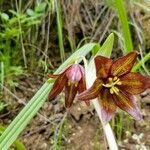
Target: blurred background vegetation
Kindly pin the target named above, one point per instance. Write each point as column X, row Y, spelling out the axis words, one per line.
column 36, row 36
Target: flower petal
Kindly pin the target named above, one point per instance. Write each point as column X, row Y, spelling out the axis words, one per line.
column 82, row 87
column 134, row 83
column 70, row 93
column 74, row 73
column 127, row 102
column 108, row 107
column 103, row 65
column 124, row 64
column 92, row 92
column 58, row 86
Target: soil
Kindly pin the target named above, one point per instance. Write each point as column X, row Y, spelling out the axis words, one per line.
column 80, row 129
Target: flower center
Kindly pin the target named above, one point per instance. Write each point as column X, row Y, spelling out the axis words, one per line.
column 111, row 84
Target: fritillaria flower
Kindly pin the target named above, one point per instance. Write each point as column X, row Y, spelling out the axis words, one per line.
column 115, row 86
column 72, row 80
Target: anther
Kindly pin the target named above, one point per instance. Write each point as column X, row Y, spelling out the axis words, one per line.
column 76, row 84
column 115, row 78
column 110, row 80
column 111, row 91
column 119, row 83
column 69, row 83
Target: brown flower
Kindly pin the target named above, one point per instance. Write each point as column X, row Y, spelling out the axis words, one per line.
column 72, row 80
column 115, row 86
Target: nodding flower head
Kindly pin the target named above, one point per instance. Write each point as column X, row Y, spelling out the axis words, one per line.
column 115, row 86
column 72, row 80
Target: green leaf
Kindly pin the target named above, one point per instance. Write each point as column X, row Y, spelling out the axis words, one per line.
column 110, row 3
column 122, row 14
column 32, row 107
column 17, row 144
column 40, row 7
column 141, row 62
column 60, row 31
column 105, row 50
column 4, row 16
column 30, row 12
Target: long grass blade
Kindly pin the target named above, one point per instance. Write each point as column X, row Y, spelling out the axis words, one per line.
column 120, row 7
column 59, row 28
column 141, row 62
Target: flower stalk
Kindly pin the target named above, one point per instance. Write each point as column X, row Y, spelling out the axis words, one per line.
column 90, row 78
column 106, row 127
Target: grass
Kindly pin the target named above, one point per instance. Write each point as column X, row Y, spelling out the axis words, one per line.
column 121, row 10
column 18, row 145
column 59, row 131
column 59, row 28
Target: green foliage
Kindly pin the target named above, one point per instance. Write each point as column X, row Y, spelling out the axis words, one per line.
column 18, row 145
column 2, row 106
column 142, row 62
column 120, row 124
column 38, row 10
column 59, row 28
column 121, row 9
column 125, row 34
column 14, row 28
column 4, row 16
column 62, row 129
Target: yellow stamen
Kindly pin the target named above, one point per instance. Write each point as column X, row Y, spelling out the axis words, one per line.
column 110, row 80
column 115, row 78
column 111, row 84
column 76, row 84
column 114, row 90
column 119, row 83
column 111, row 91
column 69, row 83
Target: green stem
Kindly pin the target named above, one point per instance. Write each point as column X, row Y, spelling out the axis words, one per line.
column 141, row 62
column 120, row 7
column 59, row 28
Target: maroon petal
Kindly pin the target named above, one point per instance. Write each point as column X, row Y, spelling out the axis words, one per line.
column 127, row 102
column 103, row 65
column 70, row 93
column 134, row 83
column 58, row 86
column 124, row 64
column 108, row 107
column 92, row 92
column 82, row 87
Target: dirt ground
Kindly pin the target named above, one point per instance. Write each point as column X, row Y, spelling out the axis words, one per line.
column 80, row 129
